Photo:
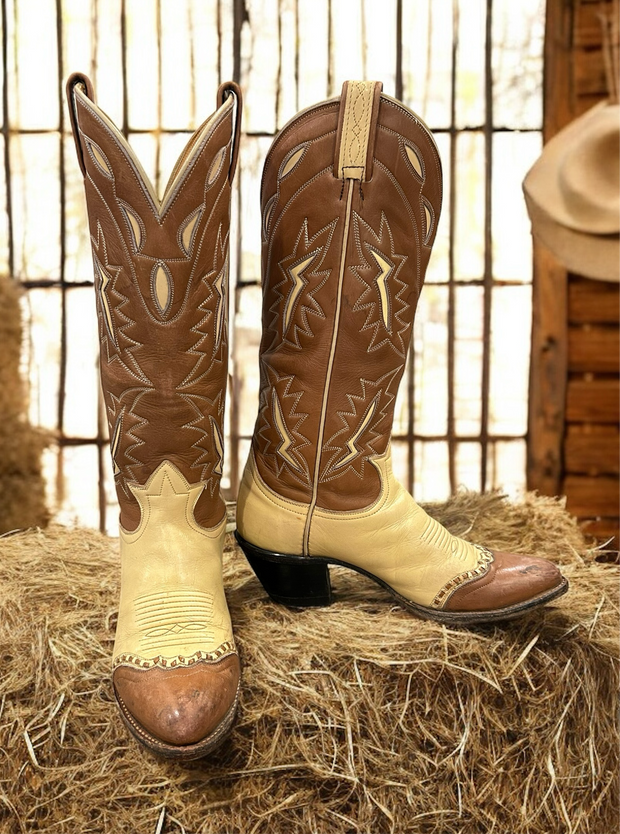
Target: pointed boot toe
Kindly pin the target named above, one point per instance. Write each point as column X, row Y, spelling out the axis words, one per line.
column 184, row 711
column 513, row 584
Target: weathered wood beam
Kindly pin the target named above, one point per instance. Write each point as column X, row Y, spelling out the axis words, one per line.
column 548, row 369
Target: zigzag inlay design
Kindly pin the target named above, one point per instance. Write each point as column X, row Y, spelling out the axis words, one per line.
column 115, row 441
column 279, row 417
column 287, row 440
column 295, row 272
column 353, row 440
column 162, row 297
column 386, row 268
column 104, row 281
column 218, row 444
column 382, row 298
column 302, row 268
column 363, row 427
column 219, row 285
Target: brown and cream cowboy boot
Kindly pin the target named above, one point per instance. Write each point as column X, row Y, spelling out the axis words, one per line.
column 351, row 195
column 161, row 273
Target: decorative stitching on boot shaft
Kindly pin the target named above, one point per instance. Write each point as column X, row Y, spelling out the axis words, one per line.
column 382, row 273
column 162, row 303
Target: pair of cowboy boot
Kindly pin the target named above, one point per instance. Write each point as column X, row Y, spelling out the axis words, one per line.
column 350, row 198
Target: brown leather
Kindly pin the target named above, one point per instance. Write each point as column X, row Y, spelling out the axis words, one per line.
column 163, row 372
column 86, row 83
column 226, row 89
column 510, row 580
column 179, row 706
column 304, row 215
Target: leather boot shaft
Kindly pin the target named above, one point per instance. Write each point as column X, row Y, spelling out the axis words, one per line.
column 161, row 275
column 350, row 198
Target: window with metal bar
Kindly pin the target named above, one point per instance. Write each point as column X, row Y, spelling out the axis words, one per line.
column 473, row 72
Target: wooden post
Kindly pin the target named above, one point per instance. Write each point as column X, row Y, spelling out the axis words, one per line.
column 548, row 369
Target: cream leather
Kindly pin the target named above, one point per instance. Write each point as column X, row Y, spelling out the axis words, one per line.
column 266, row 519
column 394, row 539
column 172, row 609
column 356, row 130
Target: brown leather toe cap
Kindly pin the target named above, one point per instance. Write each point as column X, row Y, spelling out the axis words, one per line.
column 510, row 580
column 179, row 706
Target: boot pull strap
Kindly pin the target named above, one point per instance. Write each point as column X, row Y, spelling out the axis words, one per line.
column 230, row 88
column 357, row 126
column 78, row 79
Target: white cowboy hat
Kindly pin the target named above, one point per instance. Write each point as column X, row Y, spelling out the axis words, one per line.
column 572, row 194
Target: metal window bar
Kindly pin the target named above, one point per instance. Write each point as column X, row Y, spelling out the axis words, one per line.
column 233, row 21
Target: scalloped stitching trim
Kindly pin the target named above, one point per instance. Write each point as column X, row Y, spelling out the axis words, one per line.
column 180, row 661
column 484, row 560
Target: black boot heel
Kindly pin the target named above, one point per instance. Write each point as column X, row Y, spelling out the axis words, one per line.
column 297, row 581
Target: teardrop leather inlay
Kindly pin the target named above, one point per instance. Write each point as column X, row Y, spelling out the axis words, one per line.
column 187, row 231
column 292, row 161
column 428, row 220
column 216, row 166
column 161, row 287
column 267, row 214
column 416, row 162
column 99, row 158
column 136, row 227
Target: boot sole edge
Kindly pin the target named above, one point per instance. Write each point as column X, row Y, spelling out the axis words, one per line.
column 421, row 611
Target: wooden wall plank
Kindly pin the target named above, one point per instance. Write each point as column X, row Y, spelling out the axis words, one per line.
column 558, row 92
column 590, row 73
column 593, row 302
column 594, row 349
column 588, row 22
column 592, row 450
column 549, row 292
column 585, row 103
column 593, row 400
column 592, row 496
column 586, row 312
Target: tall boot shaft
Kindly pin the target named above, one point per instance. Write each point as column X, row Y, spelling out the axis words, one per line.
column 161, row 273
column 350, row 198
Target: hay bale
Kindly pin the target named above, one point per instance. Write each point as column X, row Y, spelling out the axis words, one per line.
column 22, row 489
column 356, row 718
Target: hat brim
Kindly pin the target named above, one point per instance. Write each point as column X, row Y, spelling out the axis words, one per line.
column 593, row 256
column 542, row 184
